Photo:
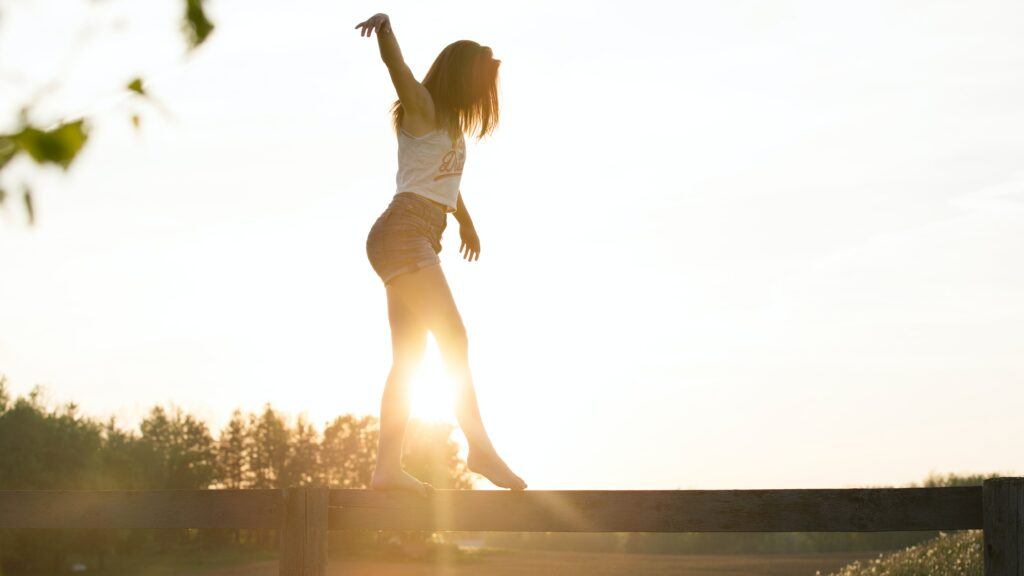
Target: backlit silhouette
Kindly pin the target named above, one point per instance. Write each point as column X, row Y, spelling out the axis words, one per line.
column 458, row 95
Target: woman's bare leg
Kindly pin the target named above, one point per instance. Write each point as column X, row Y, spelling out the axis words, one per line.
column 408, row 339
column 426, row 293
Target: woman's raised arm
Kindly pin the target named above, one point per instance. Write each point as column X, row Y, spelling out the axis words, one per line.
column 415, row 98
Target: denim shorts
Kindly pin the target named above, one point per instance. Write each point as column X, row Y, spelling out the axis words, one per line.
column 406, row 237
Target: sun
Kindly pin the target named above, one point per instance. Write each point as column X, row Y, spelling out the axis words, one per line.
column 433, row 392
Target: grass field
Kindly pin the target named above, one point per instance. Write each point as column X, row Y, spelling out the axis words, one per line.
column 529, row 563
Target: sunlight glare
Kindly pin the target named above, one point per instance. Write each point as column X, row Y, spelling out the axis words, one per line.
column 433, row 393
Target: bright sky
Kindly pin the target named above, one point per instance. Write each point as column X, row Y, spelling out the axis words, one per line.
column 725, row 244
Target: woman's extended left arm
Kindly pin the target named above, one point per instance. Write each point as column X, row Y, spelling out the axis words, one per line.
column 470, row 248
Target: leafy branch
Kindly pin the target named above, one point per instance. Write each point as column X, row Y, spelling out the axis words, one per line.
column 59, row 145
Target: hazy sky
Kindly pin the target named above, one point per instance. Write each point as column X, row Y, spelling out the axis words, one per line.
column 725, row 244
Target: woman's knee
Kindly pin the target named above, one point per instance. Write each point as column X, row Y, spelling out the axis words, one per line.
column 408, row 357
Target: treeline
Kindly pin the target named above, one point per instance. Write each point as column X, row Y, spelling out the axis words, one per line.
column 58, row 448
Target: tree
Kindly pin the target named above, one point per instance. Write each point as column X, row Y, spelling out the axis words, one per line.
column 231, row 453
column 268, row 448
column 47, row 449
column 348, row 451
column 120, row 458
column 42, row 448
column 179, row 449
column 304, row 456
column 5, row 397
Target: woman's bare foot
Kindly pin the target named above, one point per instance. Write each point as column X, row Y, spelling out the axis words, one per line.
column 383, row 480
column 488, row 464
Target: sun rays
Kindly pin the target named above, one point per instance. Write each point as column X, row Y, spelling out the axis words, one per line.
column 433, row 392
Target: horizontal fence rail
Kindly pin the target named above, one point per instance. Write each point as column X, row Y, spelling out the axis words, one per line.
column 141, row 509
column 306, row 514
column 847, row 510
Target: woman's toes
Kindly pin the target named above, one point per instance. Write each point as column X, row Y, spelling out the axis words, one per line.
column 494, row 469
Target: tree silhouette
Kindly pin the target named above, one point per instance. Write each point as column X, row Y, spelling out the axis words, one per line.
column 268, row 448
column 348, row 450
column 303, row 466
column 44, row 448
column 231, row 453
column 179, row 450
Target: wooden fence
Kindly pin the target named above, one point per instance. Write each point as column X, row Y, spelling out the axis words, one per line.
column 305, row 515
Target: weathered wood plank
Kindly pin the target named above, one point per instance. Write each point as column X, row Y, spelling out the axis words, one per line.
column 669, row 511
column 140, row 509
column 293, row 534
column 1004, row 526
column 304, row 535
column 315, row 562
column 840, row 510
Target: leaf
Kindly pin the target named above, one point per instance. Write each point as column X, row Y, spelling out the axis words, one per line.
column 136, row 86
column 7, row 150
column 197, row 25
column 29, row 205
column 58, row 146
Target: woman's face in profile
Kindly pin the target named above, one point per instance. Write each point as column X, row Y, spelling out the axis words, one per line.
column 485, row 71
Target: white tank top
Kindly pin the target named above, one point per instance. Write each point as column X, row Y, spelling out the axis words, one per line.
column 431, row 166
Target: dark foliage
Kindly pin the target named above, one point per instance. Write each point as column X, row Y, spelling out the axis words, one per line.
column 57, row 448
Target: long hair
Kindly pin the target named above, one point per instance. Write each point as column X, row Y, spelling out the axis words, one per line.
column 463, row 82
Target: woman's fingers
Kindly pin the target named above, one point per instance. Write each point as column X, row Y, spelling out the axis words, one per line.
column 367, row 27
column 469, row 249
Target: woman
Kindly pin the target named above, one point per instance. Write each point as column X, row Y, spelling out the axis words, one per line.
column 458, row 95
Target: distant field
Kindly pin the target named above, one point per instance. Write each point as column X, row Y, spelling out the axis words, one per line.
column 529, row 563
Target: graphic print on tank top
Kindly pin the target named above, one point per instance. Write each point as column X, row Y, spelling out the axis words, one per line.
column 453, row 160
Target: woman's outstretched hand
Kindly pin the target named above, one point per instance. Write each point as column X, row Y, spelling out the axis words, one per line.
column 470, row 248
column 379, row 22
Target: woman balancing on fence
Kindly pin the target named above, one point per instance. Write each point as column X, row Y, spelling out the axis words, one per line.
column 458, row 95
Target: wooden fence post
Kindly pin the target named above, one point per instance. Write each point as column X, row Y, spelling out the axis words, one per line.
column 293, row 532
column 317, row 499
column 1003, row 519
column 304, row 534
